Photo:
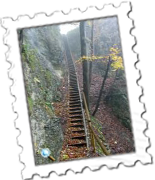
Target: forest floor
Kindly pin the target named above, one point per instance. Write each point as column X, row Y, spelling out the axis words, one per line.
column 106, row 125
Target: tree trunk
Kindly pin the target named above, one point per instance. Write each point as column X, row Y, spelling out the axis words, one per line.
column 92, row 52
column 101, row 90
column 85, row 62
column 111, row 88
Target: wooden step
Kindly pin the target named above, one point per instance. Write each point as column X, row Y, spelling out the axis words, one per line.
column 79, row 137
column 76, row 112
column 77, row 125
column 73, row 84
column 72, row 72
column 73, row 81
column 73, row 78
column 75, row 116
column 75, row 104
column 72, row 103
column 73, row 88
column 74, row 108
column 74, row 96
column 78, row 144
column 74, row 93
column 78, row 131
column 74, row 99
column 76, row 121
column 71, row 65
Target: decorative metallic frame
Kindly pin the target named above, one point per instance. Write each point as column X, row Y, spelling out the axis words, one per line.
column 142, row 15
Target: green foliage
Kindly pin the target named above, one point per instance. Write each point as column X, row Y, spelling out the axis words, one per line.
column 48, row 77
column 46, row 105
column 24, row 52
column 41, row 52
column 28, row 88
column 30, row 104
column 29, row 55
column 49, row 110
column 57, row 96
column 65, row 157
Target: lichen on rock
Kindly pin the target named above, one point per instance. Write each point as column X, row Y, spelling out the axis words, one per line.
column 41, row 54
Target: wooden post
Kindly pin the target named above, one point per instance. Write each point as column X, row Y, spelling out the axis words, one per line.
column 105, row 151
column 52, row 158
column 93, row 142
column 89, row 123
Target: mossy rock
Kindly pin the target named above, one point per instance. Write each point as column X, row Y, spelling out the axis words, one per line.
column 30, row 104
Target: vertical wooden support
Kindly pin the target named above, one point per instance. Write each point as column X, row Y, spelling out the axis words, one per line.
column 105, row 151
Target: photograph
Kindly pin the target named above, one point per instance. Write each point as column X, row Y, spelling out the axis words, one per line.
column 76, row 90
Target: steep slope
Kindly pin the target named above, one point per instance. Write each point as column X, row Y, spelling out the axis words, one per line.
column 42, row 62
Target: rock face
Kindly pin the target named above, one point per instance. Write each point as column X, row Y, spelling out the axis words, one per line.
column 42, row 60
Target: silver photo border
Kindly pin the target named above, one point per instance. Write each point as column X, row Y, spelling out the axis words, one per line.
column 142, row 15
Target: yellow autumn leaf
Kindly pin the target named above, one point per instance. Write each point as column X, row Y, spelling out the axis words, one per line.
column 65, row 156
